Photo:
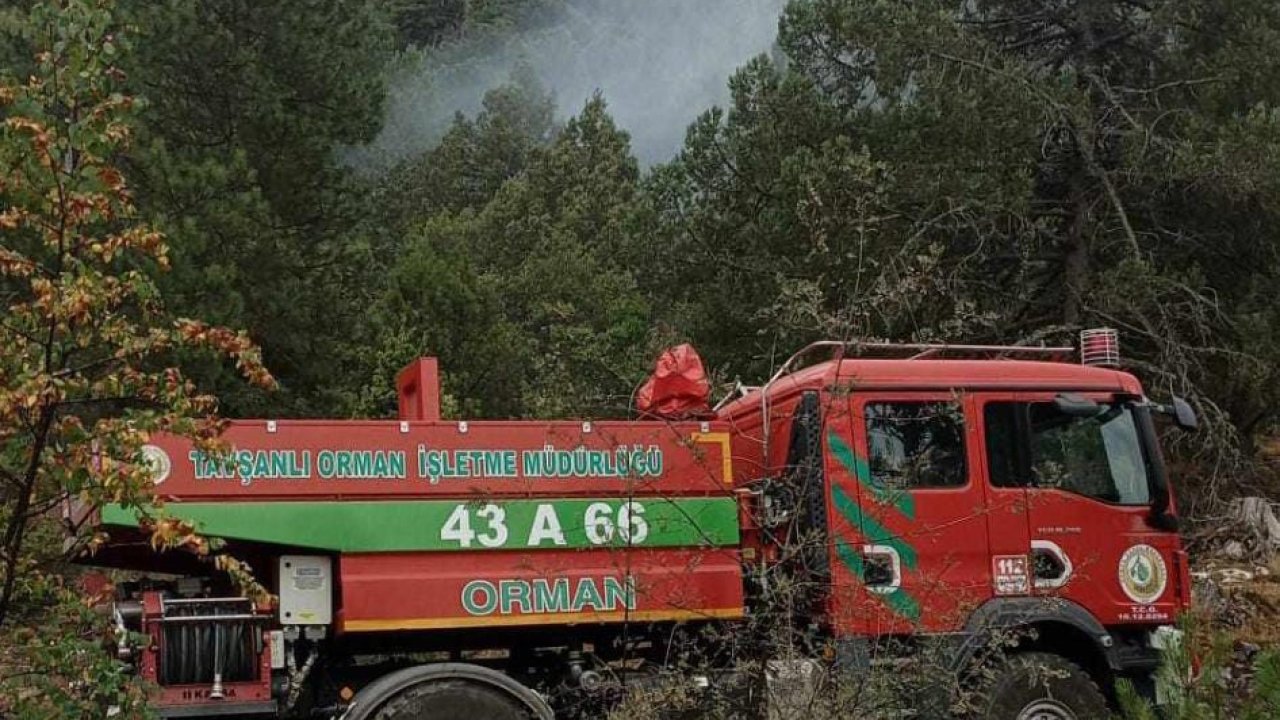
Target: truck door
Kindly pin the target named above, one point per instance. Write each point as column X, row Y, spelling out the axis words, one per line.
column 1008, row 526
column 923, row 526
column 1088, row 500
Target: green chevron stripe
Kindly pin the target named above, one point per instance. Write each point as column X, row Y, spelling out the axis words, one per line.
column 872, row 530
column 899, row 601
column 858, row 467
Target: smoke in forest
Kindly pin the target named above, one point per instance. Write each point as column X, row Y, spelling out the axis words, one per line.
column 658, row 63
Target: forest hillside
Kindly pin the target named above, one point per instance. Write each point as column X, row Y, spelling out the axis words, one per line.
column 544, row 194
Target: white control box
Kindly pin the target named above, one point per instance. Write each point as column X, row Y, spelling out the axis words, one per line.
column 306, row 590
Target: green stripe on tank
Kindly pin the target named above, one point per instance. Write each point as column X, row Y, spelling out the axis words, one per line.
column 445, row 525
column 858, row 468
column 899, row 601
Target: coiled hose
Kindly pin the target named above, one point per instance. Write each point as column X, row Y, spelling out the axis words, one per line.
column 193, row 652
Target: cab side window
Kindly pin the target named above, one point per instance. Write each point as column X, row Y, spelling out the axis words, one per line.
column 1000, row 426
column 916, row 444
column 1036, row 445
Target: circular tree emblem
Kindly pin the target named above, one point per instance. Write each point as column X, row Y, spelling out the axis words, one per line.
column 158, row 460
column 1143, row 575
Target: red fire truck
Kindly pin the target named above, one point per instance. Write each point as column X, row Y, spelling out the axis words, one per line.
column 424, row 567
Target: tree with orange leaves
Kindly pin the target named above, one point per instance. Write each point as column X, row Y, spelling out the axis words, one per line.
column 86, row 343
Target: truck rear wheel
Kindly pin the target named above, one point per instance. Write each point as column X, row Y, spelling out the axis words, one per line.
column 1041, row 686
column 448, row 691
column 452, row 700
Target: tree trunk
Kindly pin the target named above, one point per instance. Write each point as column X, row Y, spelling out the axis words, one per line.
column 1075, row 272
column 17, row 528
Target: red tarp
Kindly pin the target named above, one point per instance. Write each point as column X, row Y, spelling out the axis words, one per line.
column 678, row 388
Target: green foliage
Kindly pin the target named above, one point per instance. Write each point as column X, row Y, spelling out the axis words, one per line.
column 84, row 379
column 509, row 274
column 1009, row 172
column 1228, row 682
column 238, row 161
column 473, row 159
column 54, row 658
column 429, row 23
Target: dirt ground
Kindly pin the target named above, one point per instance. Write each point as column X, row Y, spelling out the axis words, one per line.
column 1240, row 598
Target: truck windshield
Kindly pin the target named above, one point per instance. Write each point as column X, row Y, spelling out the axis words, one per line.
column 1037, row 445
column 1099, row 456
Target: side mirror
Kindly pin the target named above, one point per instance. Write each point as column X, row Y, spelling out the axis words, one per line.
column 1076, row 405
column 1183, row 416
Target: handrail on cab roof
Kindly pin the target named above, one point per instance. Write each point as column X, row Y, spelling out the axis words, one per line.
column 904, row 351
column 921, row 351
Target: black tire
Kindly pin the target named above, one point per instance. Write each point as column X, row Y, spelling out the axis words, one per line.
column 1041, row 686
column 452, row 700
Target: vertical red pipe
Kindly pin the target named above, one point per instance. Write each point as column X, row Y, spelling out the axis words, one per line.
column 418, row 386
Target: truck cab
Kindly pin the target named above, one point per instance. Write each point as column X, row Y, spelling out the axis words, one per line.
column 957, row 491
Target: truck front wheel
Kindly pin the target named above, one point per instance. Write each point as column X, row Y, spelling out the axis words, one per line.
column 452, row 700
column 1041, row 686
